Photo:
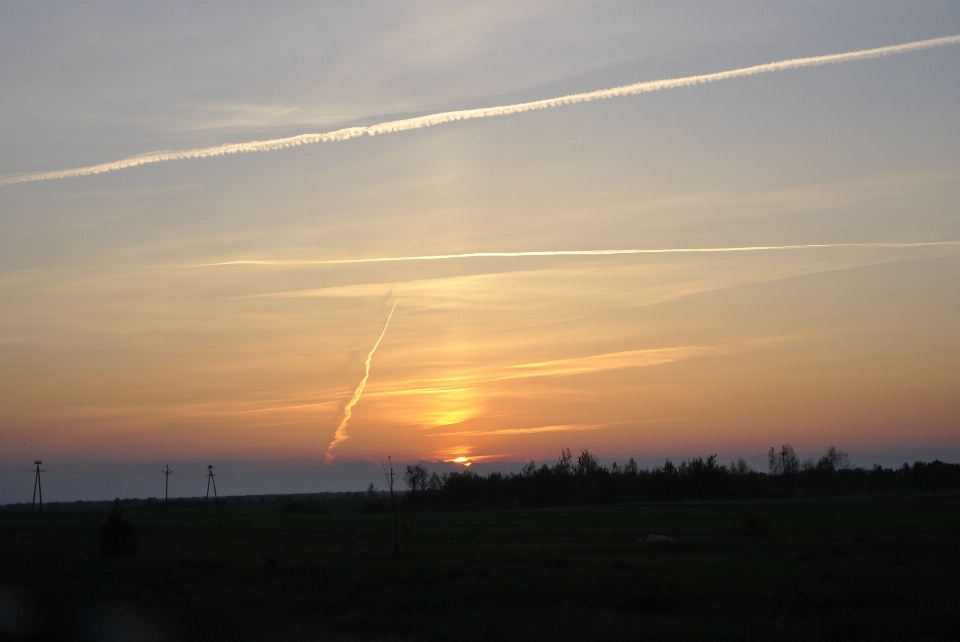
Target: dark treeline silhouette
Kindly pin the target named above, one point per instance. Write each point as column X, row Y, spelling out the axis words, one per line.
column 583, row 481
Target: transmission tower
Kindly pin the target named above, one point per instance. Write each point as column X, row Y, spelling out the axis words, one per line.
column 37, row 488
column 210, row 481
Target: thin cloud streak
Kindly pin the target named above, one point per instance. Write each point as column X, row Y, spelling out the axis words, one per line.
column 481, row 255
column 469, row 114
column 555, row 428
column 603, row 362
column 521, row 431
column 557, row 368
column 341, row 435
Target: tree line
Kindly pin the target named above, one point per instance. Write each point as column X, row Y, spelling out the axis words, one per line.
column 583, row 480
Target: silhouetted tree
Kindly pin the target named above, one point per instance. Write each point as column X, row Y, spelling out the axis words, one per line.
column 585, row 481
column 416, row 480
column 784, row 462
column 586, row 464
column 117, row 536
column 834, row 460
column 373, row 502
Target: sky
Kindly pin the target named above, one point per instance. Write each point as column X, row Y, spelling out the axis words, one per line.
column 223, row 309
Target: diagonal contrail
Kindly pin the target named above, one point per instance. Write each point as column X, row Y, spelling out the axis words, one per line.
column 341, row 435
column 675, row 250
column 467, row 114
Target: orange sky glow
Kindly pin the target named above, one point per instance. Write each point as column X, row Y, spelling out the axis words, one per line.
column 226, row 306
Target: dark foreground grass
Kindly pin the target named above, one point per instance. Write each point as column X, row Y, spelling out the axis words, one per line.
column 878, row 568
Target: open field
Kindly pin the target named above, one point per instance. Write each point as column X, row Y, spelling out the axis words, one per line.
column 873, row 568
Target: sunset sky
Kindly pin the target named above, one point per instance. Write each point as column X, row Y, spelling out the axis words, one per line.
column 208, row 309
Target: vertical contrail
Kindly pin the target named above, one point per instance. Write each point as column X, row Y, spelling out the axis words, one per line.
column 341, row 434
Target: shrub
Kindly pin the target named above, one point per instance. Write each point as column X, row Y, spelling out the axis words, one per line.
column 757, row 524
column 308, row 507
column 373, row 503
column 117, row 536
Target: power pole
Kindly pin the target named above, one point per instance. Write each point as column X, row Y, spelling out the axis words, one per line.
column 388, row 477
column 166, row 487
column 37, row 488
column 210, row 480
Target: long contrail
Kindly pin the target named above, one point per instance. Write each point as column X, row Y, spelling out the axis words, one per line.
column 341, row 435
column 674, row 250
column 484, row 112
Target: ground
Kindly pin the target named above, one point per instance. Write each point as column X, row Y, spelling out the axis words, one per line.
column 871, row 568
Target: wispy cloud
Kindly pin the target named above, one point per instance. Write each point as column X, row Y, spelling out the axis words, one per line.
column 520, row 431
column 556, row 368
column 468, row 114
column 602, row 362
column 553, row 428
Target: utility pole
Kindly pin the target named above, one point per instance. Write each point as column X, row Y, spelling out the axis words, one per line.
column 388, row 477
column 36, row 488
column 166, row 487
column 210, row 480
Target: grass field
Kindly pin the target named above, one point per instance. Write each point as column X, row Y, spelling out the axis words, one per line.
column 877, row 568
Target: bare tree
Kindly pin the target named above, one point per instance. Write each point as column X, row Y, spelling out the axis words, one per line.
column 416, row 479
column 834, row 460
column 784, row 462
column 773, row 462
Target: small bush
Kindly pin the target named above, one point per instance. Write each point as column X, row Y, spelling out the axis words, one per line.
column 308, row 507
column 757, row 524
column 117, row 536
column 373, row 502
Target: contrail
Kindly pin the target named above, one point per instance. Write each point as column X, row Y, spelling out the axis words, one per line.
column 484, row 112
column 675, row 250
column 341, row 435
